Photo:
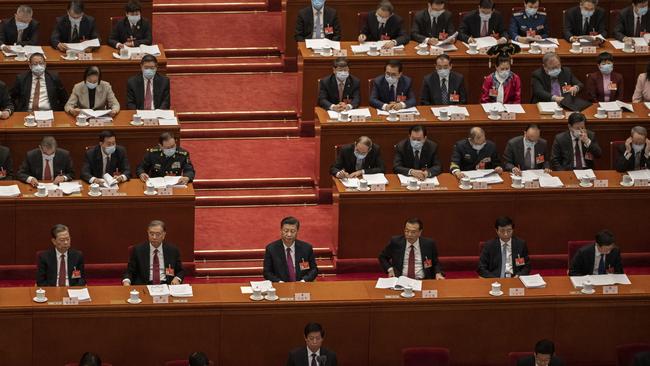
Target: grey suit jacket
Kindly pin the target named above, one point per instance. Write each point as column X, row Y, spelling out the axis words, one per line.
column 514, row 154
column 104, row 97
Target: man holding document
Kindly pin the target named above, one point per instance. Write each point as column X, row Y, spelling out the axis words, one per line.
column 166, row 159
column 433, row 24
column 474, row 153
column 417, row 156
column 106, row 158
column 74, row 27
column 355, row 160
column 600, row 258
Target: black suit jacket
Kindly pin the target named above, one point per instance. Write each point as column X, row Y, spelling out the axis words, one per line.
column 573, row 25
column 623, row 165
column 275, row 262
column 514, row 154
column 5, row 99
column 489, row 264
column 394, row 29
column 471, row 26
column 123, row 31
column 431, row 94
column 63, row 30
column 582, row 263
column 135, row 92
column 9, row 33
column 6, row 164
column 298, row 357
column 305, row 24
column 563, row 154
column 641, row 359
column 22, row 91
column 404, row 159
column 464, row 157
column 393, row 256
column 94, row 163
column 423, row 29
column 346, row 160
column 33, row 165
column 530, row 361
column 542, row 83
column 138, row 268
column 381, row 92
column 625, row 25
column 47, row 261
column 328, row 91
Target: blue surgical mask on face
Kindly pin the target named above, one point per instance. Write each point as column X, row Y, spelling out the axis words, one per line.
column 359, row 155
column 554, row 72
column 21, row 25
column 531, row 11
column 109, row 150
column 586, row 13
column 342, row 75
column 606, row 68
column 133, row 19
column 443, row 73
column 485, row 17
column 149, row 73
column 38, row 70
column 416, row 145
column 317, row 4
column 91, row 86
column 643, row 11
column 169, row 152
column 528, row 143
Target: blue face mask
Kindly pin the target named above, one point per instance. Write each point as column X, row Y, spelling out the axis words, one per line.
column 109, row 150
column 531, row 11
column 554, row 72
column 23, row 26
column 169, row 152
column 359, row 155
column 317, row 4
column 528, row 143
column 149, row 73
column 417, row 145
column 443, row 73
column 91, row 86
column 586, row 14
column 606, row 68
column 643, row 11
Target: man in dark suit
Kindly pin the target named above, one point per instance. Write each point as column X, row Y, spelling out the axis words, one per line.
column 600, row 258
column 47, row 163
column 60, row 265
column 635, row 153
column 544, row 355
column 483, row 22
column 633, row 21
column 525, row 152
column 641, row 359
column 6, row 104
column 340, row 90
column 576, row 148
column 384, row 25
column 21, row 29
column 289, row 259
column 506, row 255
column 417, row 156
column 6, row 164
column 552, row 82
column 150, row 90
column 74, row 27
column 106, row 158
column 156, row 261
column 355, row 160
column 587, row 19
column 317, row 21
column 474, row 152
column 392, row 90
column 314, row 354
column 444, row 86
column 433, row 24
column 133, row 30
column 411, row 254
column 38, row 89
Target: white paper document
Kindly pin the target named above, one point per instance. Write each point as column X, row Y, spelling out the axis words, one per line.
column 9, row 191
column 452, row 109
column 153, row 50
column 28, row 50
column 183, row 290
column 95, row 114
column 639, row 174
column 44, row 115
column 350, row 182
column 404, row 180
column 500, row 107
column 378, row 178
column 484, row 42
column 319, row 44
column 246, row 290
column 479, row 173
column 449, row 41
column 261, row 285
column 70, row 187
column 163, row 182
column 523, row 46
column 155, row 114
column 412, row 110
column 80, row 294
column 168, row 121
column 533, row 281
column 591, row 39
column 533, row 175
column 83, row 45
column 365, row 46
column 399, row 283
column 584, row 173
column 616, row 106
column 547, row 107
column 109, row 181
column 158, row 290
column 550, row 182
column 601, row 280
column 365, row 112
column 548, row 43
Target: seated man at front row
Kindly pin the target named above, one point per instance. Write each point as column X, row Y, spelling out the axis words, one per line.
column 133, row 30
column 474, row 153
column 355, row 160
column 392, row 91
column 339, row 91
column 166, row 160
column 384, row 25
column 314, row 336
column 106, row 158
column 289, row 259
column 60, row 265
column 600, row 258
column 635, row 153
column 526, row 152
column 544, row 355
column 505, row 256
column 47, row 163
column 417, row 156
column 576, row 148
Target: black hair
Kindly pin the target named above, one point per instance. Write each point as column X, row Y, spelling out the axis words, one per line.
column 415, row 220
column 314, row 327
column 165, row 136
column 394, row 63
column 418, row 128
column 340, row 62
column 290, row 220
column 503, row 221
column 386, row 6
column 605, row 56
column 443, row 56
column 605, row 237
column 106, row 134
column 532, row 125
column 576, row 117
column 545, row 347
column 149, row 58
column 93, row 70
column 77, row 6
column 486, row 4
column 132, row 6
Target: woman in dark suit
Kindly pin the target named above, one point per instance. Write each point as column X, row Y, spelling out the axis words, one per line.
column 605, row 85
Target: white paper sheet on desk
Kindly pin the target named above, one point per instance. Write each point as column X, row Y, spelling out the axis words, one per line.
column 533, row 281
column 350, row 182
column 523, row 46
column 584, row 173
column 156, row 113
column 44, row 115
column 490, row 179
column 261, row 285
column 352, row 112
column 404, row 180
column 96, row 114
column 639, row 174
column 29, row 50
column 365, row 46
column 412, row 110
column 601, row 280
column 616, row 106
column 83, row 45
column 550, row 182
column 533, row 175
column 386, row 283
column 590, row 39
column 70, row 187
column 80, row 294
column 319, row 44
column 9, row 191
column 484, row 42
column 479, row 173
column 447, row 47
column 452, row 109
column 404, row 281
column 547, row 107
column 512, row 108
column 182, row 290
column 378, row 178
column 158, row 290
column 246, row 290
column 153, row 50
column 157, row 182
column 168, row 121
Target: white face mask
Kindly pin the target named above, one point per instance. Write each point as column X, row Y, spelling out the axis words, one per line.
column 485, row 17
column 381, row 20
column 74, row 21
column 637, row 148
column 576, row 133
column 133, row 19
column 436, row 13
column 477, row 147
column 21, row 25
column 38, row 70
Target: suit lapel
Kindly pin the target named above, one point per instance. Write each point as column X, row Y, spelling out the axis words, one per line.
column 38, row 164
column 399, row 256
column 145, row 259
column 49, row 85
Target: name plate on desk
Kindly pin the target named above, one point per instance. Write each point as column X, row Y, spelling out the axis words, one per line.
column 427, row 186
column 161, row 299
column 137, row 55
column 150, row 121
column 436, row 51
column 100, row 122
column 479, row 185
column 429, row 294
column 457, row 116
column 55, row 193
column 356, row 118
column 615, row 114
column 610, row 290
column 589, row 49
column 641, row 49
column 387, row 52
column 531, row 184
column 547, row 49
column 377, row 187
column 640, row 182
column 167, row 191
column 406, row 117
column 601, row 183
column 302, row 296
column 508, row 116
column 70, row 301
column 516, row 291
column 109, row 192
column 340, row 53
column 84, row 56
column 45, row 123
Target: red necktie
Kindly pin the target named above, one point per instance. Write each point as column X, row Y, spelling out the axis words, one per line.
column 62, row 271
column 578, row 156
column 155, row 275
column 148, row 104
column 291, row 267
column 37, row 94
column 411, row 268
column 47, row 174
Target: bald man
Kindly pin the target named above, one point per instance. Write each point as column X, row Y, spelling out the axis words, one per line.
column 474, row 152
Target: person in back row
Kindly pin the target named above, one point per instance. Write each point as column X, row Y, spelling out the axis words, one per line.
column 530, row 24
column 355, row 160
column 443, row 86
column 21, row 29
column 166, row 159
column 339, row 91
column 417, row 156
column 133, row 30
column 38, row 89
column 433, row 24
column 602, row 257
column 107, row 157
column 586, row 19
column 634, row 154
column 552, row 82
column 316, row 22
column 384, row 25
column 503, row 85
column 576, row 148
column 393, row 90
column 632, row 21
column 483, row 22
column 92, row 93
column 74, row 27
column 148, row 90
column 527, row 151
column 605, row 85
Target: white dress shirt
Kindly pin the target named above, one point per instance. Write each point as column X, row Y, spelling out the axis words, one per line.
column 508, row 250
column 309, row 355
column 58, row 266
column 597, row 260
column 43, row 100
column 419, row 272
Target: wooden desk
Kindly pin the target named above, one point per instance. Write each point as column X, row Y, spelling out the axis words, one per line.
column 458, row 220
column 219, row 318
column 101, row 227
column 445, row 134
column 312, row 67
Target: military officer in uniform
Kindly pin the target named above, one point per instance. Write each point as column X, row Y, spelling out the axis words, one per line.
column 529, row 24
column 166, row 159
column 473, row 153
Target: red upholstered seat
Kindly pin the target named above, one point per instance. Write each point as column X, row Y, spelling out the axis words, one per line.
column 77, row 364
column 513, row 357
column 625, row 352
column 425, row 356
column 180, row 363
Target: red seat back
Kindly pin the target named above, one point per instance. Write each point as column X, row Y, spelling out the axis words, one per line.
column 513, row 357
column 363, row 19
column 625, row 352
column 425, row 356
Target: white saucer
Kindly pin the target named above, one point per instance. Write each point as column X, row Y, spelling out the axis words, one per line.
column 21, row 59
column 494, row 118
column 39, row 195
column 535, row 52
column 588, row 292
column 496, row 293
column 413, row 188
column 82, row 124
column 464, row 188
column 630, row 51
column 363, row 189
column 600, row 116
column 28, row 125
column 348, row 120
column 558, row 117
column 444, row 119
column 69, row 59
column 39, row 301
column 94, row 194
column 407, row 296
column 626, row 184
column 423, row 52
column 136, row 124
column 117, row 56
column 516, row 187
column 133, row 302
column 252, row 297
column 472, row 53
column 574, row 51
column 267, row 297
column 373, row 53
column 151, row 194
column 392, row 120
column 587, row 185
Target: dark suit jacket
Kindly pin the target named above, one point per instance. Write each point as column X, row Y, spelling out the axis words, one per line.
column 530, row 361
column 63, row 30
column 563, row 154
column 595, row 89
column 393, row 256
column 5, row 99
column 394, row 29
column 22, row 91
column 33, row 165
column 641, row 359
column 9, row 33
column 471, row 25
column 298, row 357
column 542, row 83
column 582, row 263
column 137, row 270
column 625, row 25
column 431, row 94
column 422, row 27
column 6, row 164
column 135, row 92
column 624, row 165
column 346, row 160
column 275, row 262
column 328, row 91
column 514, row 154
column 489, row 264
column 305, row 24
column 573, row 25
column 464, row 157
column 94, row 163
column 47, row 261
column 122, row 31
column 405, row 158
column 381, row 92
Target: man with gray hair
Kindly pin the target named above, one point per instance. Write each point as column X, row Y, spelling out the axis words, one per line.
column 635, row 153
column 552, row 82
column 60, row 265
column 473, row 153
column 339, row 91
column 47, row 163
column 359, row 158
column 21, row 29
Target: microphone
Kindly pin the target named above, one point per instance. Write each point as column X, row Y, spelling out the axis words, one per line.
column 322, row 360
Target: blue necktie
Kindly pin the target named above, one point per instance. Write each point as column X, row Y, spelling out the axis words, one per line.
column 601, row 265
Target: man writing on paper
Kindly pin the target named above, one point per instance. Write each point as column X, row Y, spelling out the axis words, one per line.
column 587, row 19
column 339, row 91
column 6, row 164
column 289, row 259
column 133, row 30
column 417, row 156
column 527, row 151
column 633, row 21
column 411, row 254
column 166, row 159
column 433, row 24
column 149, row 90
column 443, row 86
column 106, row 158
column 530, row 24
column 483, row 22
column 47, row 163
column 355, row 160
column 156, row 261
column 38, row 89
column 576, row 148
column 384, row 25
column 600, row 258
column 506, row 255
column 21, row 29
column 635, row 153
column 544, row 355
column 314, row 354
column 74, row 27
column 473, row 153
column 60, row 265
column 392, row 91
column 316, row 22
column 552, row 82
